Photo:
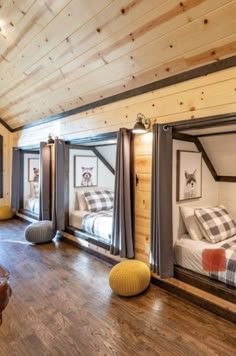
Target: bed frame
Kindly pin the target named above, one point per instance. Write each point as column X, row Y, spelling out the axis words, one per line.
column 205, row 283
column 95, row 240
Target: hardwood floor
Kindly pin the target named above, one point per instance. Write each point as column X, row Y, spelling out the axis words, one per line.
column 62, row 305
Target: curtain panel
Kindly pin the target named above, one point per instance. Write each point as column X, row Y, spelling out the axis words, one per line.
column 161, row 251
column 59, row 185
column 122, row 234
column 45, row 182
column 15, row 179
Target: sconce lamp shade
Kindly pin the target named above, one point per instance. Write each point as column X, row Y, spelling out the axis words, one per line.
column 139, row 127
column 51, row 140
column 142, row 124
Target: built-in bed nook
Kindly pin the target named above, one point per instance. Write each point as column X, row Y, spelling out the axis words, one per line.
column 92, row 204
column 91, row 181
column 31, row 182
column 200, row 187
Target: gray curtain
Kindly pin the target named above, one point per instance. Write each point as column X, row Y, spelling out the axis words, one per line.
column 45, row 182
column 15, row 179
column 122, row 234
column 59, row 185
column 161, row 252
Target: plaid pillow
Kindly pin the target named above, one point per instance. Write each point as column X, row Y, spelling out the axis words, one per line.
column 99, row 200
column 216, row 222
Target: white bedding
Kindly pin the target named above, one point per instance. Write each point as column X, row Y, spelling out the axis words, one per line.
column 32, row 204
column 97, row 224
column 188, row 254
column 76, row 218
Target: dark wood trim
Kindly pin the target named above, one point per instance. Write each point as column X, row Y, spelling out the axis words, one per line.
column 206, row 158
column 28, row 214
column 92, row 252
column 22, row 219
column 103, row 160
column 79, row 147
column 189, row 138
column 223, row 133
column 204, row 122
column 178, row 78
column 67, row 184
column 182, row 137
column 28, row 149
column 105, row 144
column 3, row 123
column 222, row 312
column 205, row 283
column 95, row 138
column 229, row 179
column 1, row 166
column 87, row 237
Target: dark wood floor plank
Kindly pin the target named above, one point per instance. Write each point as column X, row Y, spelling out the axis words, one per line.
column 62, row 305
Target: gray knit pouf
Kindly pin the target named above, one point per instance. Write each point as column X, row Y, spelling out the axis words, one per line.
column 40, row 232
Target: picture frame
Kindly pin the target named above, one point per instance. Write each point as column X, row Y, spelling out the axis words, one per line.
column 33, row 169
column 85, row 171
column 189, row 175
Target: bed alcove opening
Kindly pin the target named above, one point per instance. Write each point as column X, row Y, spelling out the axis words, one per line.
column 90, row 167
column 31, row 182
column 215, row 138
column 28, row 185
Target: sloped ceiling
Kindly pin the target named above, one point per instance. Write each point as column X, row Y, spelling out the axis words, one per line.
column 221, row 152
column 56, row 55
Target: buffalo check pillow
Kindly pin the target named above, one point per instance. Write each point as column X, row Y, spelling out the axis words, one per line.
column 99, row 200
column 216, row 222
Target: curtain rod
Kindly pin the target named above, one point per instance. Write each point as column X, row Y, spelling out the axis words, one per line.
column 202, row 123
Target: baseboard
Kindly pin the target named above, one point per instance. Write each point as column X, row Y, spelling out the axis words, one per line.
column 214, row 304
column 95, row 250
column 205, row 283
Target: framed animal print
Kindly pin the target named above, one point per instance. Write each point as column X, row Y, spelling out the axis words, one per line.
column 189, row 175
column 85, row 171
column 33, row 169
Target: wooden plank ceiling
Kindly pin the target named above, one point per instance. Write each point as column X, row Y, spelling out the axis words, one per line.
column 56, row 55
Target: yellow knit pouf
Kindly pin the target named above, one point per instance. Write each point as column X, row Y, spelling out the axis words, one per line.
column 6, row 213
column 129, row 278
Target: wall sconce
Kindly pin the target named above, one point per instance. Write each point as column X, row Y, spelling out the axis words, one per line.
column 142, row 124
column 51, row 139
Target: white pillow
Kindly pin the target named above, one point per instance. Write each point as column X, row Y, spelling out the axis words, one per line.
column 82, row 204
column 191, row 222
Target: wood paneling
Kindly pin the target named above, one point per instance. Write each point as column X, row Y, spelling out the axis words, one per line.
column 208, row 95
column 48, row 51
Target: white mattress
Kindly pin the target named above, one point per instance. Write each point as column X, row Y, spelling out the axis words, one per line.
column 188, row 252
column 76, row 218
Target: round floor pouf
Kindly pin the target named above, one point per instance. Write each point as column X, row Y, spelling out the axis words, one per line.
column 129, row 278
column 6, row 213
column 40, row 232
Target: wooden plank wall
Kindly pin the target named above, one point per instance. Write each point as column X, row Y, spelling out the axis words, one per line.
column 7, row 146
column 204, row 96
